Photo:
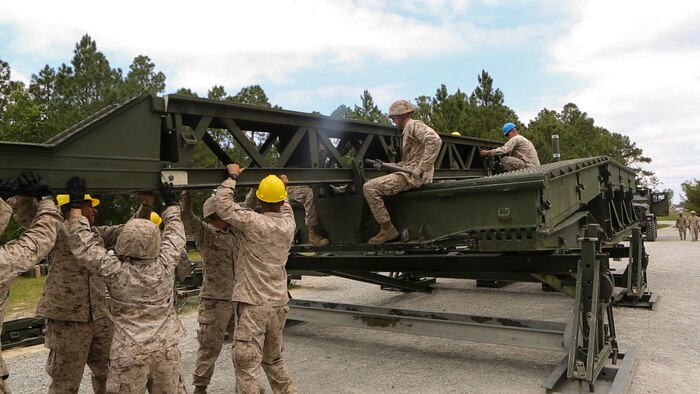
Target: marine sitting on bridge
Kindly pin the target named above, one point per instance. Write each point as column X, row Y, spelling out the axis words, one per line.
column 421, row 145
column 522, row 153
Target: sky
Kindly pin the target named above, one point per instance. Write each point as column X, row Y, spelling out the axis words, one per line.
column 631, row 65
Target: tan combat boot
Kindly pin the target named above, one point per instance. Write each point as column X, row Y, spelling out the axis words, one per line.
column 387, row 233
column 315, row 238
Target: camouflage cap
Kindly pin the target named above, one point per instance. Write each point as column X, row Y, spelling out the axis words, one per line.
column 140, row 239
column 401, row 107
column 208, row 207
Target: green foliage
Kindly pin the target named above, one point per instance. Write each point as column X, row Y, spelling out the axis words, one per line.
column 579, row 137
column 368, row 112
column 690, row 199
column 143, row 78
column 22, row 118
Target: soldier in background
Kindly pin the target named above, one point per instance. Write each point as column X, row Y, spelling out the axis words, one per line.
column 79, row 328
column 144, row 351
column 694, row 222
column 305, row 196
column 216, row 242
column 421, row 145
column 21, row 254
column 522, row 152
column 682, row 226
column 260, row 288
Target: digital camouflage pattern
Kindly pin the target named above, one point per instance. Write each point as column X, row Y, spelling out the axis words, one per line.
column 302, row 194
column 260, row 290
column 73, row 344
column 385, row 185
column 71, row 291
column 682, row 226
column 305, row 196
column 263, row 245
column 141, row 290
column 216, row 318
column 522, row 154
column 218, row 250
column 21, row 254
column 694, row 222
column 139, row 239
column 259, row 342
column 5, row 215
column 421, row 145
column 159, row 372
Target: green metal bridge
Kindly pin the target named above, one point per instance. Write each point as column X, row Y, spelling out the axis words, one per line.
column 559, row 224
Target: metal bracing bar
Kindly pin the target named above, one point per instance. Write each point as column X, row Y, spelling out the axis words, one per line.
column 503, row 331
column 213, row 146
column 289, row 149
column 437, row 263
column 243, row 141
column 635, row 268
column 589, row 347
column 329, row 147
column 382, row 280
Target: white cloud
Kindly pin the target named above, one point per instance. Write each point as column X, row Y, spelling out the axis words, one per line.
column 308, row 99
column 638, row 67
column 232, row 43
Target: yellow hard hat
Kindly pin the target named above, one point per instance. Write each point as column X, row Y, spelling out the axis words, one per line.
column 455, row 133
column 156, row 219
column 271, row 189
column 63, row 199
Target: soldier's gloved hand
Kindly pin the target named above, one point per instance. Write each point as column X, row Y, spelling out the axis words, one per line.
column 76, row 192
column 8, row 188
column 31, row 184
column 168, row 194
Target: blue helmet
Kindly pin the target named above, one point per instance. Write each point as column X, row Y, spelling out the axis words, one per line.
column 507, row 128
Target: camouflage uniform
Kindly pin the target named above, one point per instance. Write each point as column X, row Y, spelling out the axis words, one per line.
column 216, row 314
column 5, row 214
column 144, row 351
column 682, row 226
column 522, row 154
column 21, row 254
column 694, row 222
column 79, row 328
column 305, row 196
column 260, row 291
column 421, row 145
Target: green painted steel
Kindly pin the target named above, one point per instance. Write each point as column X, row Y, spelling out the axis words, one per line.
column 134, row 145
column 556, row 223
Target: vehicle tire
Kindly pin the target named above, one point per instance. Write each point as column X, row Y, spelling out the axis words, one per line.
column 650, row 232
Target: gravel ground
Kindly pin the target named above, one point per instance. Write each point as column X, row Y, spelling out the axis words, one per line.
column 329, row 359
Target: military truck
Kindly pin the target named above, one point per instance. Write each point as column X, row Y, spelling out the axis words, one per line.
column 648, row 205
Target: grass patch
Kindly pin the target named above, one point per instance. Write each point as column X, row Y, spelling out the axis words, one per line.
column 24, row 296
column 660, row 226
column 673, row 216
column 194, row 255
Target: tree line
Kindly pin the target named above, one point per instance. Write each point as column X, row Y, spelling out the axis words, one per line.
column 58, row 97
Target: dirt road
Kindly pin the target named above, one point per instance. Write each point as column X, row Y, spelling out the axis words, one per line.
column 328, row 359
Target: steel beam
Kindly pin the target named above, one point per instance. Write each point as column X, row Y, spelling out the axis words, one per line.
column 503, row 331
